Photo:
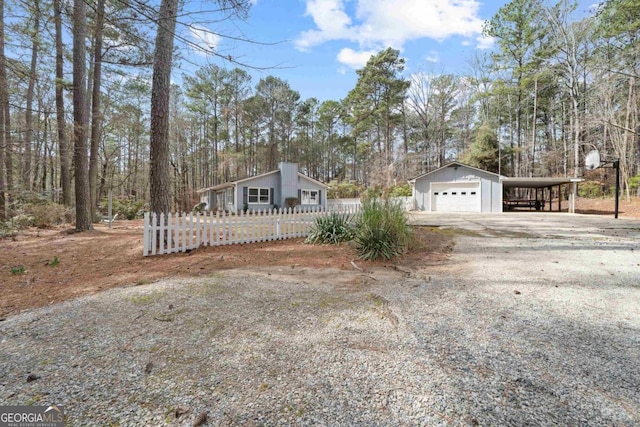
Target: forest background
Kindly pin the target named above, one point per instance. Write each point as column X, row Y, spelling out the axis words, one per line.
column 555, row 87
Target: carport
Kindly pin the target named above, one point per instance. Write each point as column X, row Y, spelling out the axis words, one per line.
column 543, row 187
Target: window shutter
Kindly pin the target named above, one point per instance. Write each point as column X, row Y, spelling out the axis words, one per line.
column 319, row 197
column 299, row 195
column 271, row 195
column 245, row 199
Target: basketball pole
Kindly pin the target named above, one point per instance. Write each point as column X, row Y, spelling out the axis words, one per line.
column 616, row 164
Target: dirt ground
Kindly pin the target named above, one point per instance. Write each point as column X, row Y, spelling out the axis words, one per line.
column 104, row 258
column 60, row 264
column 606, row 206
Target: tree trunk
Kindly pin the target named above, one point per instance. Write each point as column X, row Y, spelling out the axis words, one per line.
column 534, row 130
column 83, row 218
column 159, row 142
column 28, row 137
column 63, row 143
column 96, row 117
column 3, row 80
column 6, row 119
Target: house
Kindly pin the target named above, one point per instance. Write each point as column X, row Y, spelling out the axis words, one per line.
column 457, row 187
column 266, row 191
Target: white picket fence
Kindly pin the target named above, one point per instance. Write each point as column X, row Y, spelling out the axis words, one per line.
column 181, row 233
column 406, row 202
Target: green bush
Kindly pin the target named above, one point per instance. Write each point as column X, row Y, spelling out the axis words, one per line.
column 382, row 230
column 344, row 190
column 591, row 189
column 30, row 209
column 127, row 207
column 199, row 208
column 634, row 183
column 7, row 230
column 334, row 228
column 402, row 190
column 49, row 214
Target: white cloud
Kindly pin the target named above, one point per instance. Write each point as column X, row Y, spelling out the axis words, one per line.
column 204, row 41
column 485, row 42
column 390, row 22
column 433, row 56
column 330, row 19
column 353, row 59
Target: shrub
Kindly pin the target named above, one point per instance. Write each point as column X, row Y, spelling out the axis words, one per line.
column 127, row 207
column 402, row 190
column 48, row 215
column 30, row 209
column 7, row 230
column 634, row 183
column 291, row 202
column 334, row 228
column 199, row 208
column 344, row 189
column 382, row 230
column 591, row 189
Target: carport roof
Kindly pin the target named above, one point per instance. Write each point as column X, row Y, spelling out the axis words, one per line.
column 536, row 182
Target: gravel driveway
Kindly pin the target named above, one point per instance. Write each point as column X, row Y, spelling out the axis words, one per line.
column 523, row 325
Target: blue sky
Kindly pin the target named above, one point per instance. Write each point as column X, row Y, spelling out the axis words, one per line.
column 320, row 43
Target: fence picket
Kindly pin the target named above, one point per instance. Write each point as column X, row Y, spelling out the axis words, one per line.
column 225, row 225
column 161, row 239
column 169, row 248
column 145, row 235
column 154, row 234
column 244, row 228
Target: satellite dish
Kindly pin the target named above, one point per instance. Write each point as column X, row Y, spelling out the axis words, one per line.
column 592, row 160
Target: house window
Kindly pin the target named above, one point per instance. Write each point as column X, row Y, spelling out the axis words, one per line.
column 310, row 197
column 259, row 195
column 230, row 196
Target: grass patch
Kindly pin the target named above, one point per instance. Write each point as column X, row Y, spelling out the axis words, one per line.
column 17, row 270
column 146, row 299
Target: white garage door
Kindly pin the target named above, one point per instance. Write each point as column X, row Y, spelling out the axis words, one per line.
column 455, row 196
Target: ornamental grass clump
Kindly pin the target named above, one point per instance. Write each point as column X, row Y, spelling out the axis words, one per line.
column 334, row 228
column 382, row 230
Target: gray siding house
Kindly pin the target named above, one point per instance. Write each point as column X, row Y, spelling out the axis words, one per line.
column 456, row 187
column 265, row 191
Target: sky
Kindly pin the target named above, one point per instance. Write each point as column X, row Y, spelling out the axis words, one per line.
column 318, row 44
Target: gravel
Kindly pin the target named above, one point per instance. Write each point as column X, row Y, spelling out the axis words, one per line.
column 509, row 331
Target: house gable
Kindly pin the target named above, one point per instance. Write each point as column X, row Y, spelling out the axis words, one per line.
column 456, row 165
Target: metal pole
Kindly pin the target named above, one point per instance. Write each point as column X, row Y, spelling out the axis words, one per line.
column 616, row 164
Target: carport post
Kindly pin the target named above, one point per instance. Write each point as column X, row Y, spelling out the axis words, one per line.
column 559, row 198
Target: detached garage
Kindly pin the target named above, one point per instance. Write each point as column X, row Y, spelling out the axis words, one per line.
column 458, row 188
